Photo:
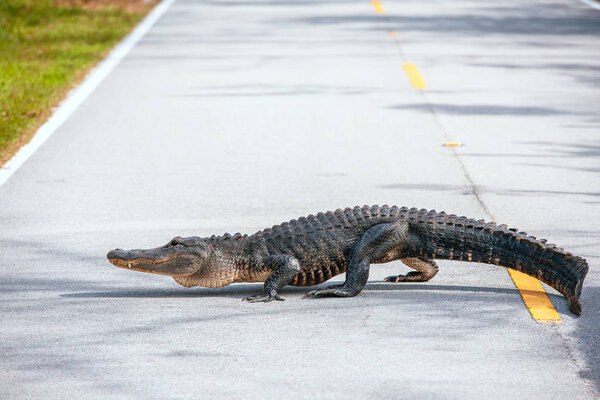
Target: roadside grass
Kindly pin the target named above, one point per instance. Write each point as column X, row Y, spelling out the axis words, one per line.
column 46, row 48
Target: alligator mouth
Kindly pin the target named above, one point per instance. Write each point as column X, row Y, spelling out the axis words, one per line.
column 130, row 264
column 141, row 265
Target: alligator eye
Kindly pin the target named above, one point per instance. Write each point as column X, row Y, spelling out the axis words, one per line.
column 173, row 243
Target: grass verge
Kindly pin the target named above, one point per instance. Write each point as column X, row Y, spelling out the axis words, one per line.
column 46, row 48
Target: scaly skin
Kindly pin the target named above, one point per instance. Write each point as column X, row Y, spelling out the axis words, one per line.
column 313, row 249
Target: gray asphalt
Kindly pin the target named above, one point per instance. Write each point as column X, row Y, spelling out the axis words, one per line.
column 237, row 115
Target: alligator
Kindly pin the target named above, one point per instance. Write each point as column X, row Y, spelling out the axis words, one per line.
column 310, row 250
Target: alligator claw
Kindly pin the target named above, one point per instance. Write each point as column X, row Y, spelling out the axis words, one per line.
column 265, row 298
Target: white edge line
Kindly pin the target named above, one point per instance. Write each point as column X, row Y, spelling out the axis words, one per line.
column 592, row 3
column 81, row 92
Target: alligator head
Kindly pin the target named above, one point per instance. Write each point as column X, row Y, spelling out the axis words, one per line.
column 179, row 257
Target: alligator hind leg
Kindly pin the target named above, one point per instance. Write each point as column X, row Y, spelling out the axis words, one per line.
column 285, row 270
column 425, row 270
column 373, row 245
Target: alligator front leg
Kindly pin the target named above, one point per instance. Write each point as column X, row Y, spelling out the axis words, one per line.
column 425, row 270
column 373, row 245
column 285, row 270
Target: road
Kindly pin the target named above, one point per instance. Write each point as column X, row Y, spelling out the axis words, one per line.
column 236, row 115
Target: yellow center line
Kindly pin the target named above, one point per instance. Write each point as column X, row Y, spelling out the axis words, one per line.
column 414, row 76
column 377, row 6
column 532, row 292
column 535, row 298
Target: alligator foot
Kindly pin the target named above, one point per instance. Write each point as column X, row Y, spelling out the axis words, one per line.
column 334, row 291
column 412, row 276
column 263, row 297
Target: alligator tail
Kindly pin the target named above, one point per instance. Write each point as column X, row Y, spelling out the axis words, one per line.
column 449, row 237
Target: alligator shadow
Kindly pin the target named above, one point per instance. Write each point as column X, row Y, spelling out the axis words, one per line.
column 248, row 289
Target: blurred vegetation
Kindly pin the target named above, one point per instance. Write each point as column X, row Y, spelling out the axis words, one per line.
column 46, row 46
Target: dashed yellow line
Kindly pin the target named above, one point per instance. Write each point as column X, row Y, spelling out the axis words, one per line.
column 377, row 6
column 535, row 298
column 414, row 76
column 532, row 292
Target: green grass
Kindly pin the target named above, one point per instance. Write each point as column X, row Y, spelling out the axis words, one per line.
column 45, row 50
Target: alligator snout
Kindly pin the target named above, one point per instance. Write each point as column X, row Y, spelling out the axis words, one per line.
column 116, row 253
column 164, row 260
